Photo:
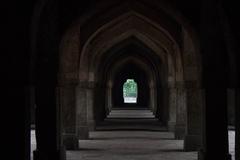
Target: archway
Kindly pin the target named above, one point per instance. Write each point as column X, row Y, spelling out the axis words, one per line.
column 130, row 91
column 131, row 58
column 130, row 71
column 82, row 72
column 187, row 79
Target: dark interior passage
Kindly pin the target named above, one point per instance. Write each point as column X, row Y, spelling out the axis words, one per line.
column 130, row 91
column 131, row 71
column 67, row 61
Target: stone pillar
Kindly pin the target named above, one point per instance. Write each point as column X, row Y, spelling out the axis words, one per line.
column 90, row 109
column 237, row 125
column 231, row 106
column 162, row 101
column 215, row 137
column 48, row 129
column 180, row 128
column 153, row 96
column 228, row 12
column 109, row 104
column 29, row 115
column 172, row 109
column 192, row 140
column 81, row 112
column 215, row 133
column 48, row 114
column 68, row 109
column 99, row 103
column 16, row 122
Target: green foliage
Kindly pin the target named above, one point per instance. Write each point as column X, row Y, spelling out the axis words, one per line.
column 130, row 88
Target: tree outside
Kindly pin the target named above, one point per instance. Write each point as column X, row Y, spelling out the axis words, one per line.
column 130, row 91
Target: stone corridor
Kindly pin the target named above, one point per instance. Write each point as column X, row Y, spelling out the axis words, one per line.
column 132, row 135
column 131, row 145
column 121, row 80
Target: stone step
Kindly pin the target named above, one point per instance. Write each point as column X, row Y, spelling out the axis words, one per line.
column 130, row 114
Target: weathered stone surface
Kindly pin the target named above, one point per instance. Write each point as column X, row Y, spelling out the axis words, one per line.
column 68, row 108
column 172, row 109
column 81, row 113
column 180, row 129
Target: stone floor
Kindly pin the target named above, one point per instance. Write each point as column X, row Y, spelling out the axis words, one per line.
column 132, row 136
column 130, row 113
column 131, row 119
column 131, row 145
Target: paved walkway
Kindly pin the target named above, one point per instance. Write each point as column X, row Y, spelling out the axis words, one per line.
column 131, row 145
column 130, row 113
column 131, row 120
column 136, row 135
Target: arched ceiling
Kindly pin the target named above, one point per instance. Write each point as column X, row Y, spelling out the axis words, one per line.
column 98, row 31
column 130, row 24
column 104, row 11
column 131, row 51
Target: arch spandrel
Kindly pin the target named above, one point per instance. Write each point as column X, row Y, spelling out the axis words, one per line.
column 69, row 56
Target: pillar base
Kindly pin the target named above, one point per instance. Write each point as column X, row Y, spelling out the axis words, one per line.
column 91, row 125
column 192, row 142
column 201, row 154
column 83, row 133
column 108, row 110
column 70, row 141
column 179, row 132
column 50, row 155
column 171, row 126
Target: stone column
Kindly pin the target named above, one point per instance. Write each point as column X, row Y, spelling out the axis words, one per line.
column 228, row 10
column 99, row 103
column 180, row 128
column 192, row 140
column 68, row 109
column 172, row 109
column 231, row 106
column 48, row 129
column 237, row 125
column 90, row 109
column 153, row 101
column 215, row 133
column 16, row 122
column 81, row 112
column 151, row 97
column 109, row 104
